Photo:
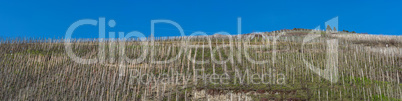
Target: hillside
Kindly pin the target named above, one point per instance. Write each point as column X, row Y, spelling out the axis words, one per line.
column 279, row 65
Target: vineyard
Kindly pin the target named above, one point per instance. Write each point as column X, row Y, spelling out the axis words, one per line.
column 255, row 67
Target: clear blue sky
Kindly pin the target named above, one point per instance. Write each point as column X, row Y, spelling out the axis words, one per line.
column 50, row 19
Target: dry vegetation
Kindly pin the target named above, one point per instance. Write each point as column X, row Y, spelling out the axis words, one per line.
column 41, row 70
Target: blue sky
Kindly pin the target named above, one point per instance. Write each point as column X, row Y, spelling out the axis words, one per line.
column 51, row 19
